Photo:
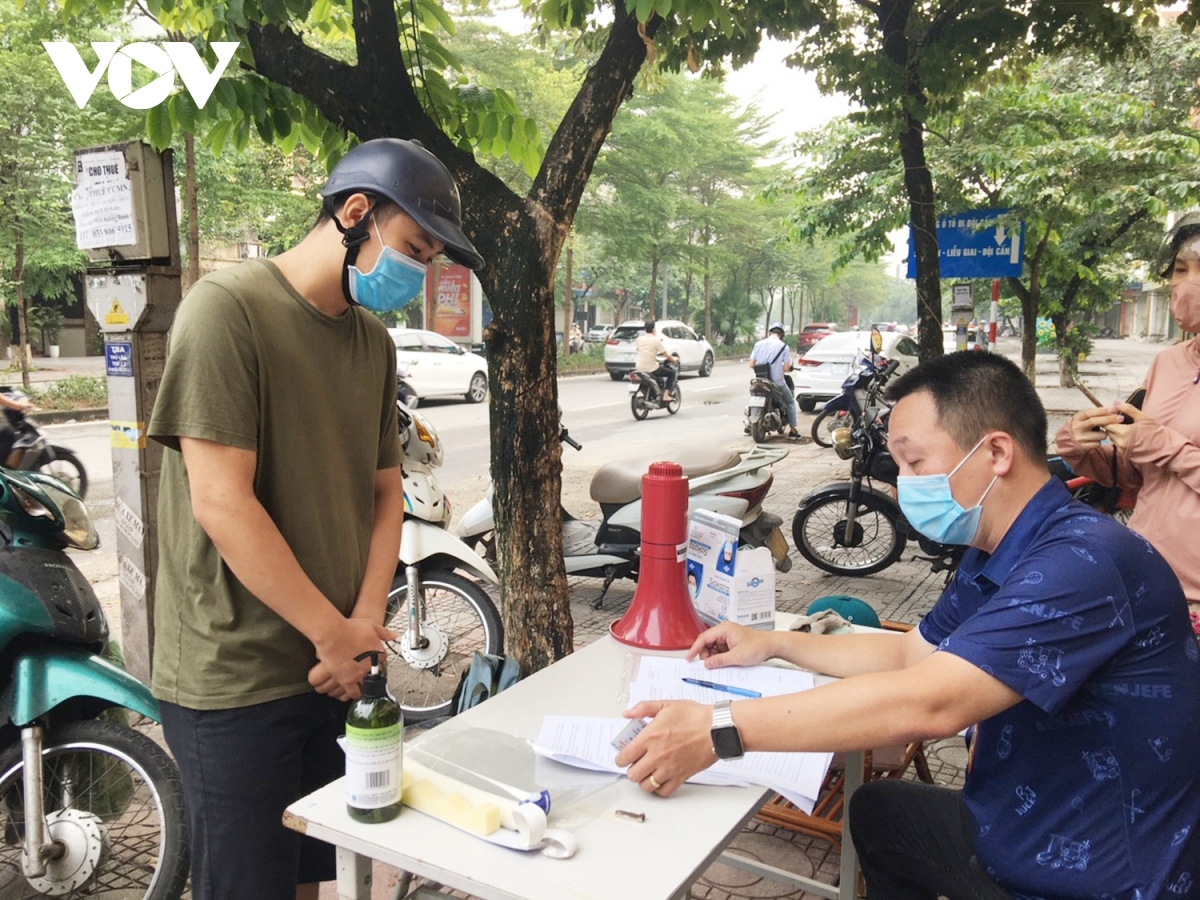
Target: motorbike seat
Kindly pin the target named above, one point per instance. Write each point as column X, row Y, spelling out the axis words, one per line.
column 620, row 481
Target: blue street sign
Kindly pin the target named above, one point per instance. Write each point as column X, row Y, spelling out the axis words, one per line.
column 973, row 244
column 118, row 358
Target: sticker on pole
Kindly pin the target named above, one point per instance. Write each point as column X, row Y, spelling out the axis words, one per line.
column 118, row 359
column 128, row 435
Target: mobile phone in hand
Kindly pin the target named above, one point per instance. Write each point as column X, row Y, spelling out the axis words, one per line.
column 1137, row 398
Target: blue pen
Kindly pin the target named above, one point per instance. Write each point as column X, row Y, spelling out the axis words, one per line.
column 741, row 692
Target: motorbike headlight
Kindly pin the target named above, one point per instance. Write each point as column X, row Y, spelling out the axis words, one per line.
column 77, row 526
column 428, row 436
column 842, row 442
column 77, row 521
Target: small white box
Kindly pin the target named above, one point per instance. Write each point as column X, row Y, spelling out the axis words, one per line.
column 727, row 582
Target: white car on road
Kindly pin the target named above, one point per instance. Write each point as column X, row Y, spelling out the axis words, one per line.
column 818, row 375
column 438, row 367
column 620, row 351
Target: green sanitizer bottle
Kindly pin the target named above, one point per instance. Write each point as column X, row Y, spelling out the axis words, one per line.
column 374, row 750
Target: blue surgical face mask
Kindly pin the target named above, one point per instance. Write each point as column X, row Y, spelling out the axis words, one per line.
column 930, row 507
column 394, row 281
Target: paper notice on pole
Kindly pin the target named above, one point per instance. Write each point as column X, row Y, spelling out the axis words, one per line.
column 102, row 201
column 131, row 578
column 128, row 522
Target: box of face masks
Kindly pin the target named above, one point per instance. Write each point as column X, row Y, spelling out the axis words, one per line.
column 725, row 581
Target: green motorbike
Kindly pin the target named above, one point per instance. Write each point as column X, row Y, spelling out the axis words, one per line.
column 89, row 806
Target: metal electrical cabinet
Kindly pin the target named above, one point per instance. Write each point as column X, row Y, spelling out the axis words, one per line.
column 125, row 219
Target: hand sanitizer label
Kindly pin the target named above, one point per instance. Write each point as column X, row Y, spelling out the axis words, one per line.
column 373, row 762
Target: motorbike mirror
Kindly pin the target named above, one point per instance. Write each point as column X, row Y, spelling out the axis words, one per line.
column 876, row 341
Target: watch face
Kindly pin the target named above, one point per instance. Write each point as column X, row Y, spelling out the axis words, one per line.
column 727, row 743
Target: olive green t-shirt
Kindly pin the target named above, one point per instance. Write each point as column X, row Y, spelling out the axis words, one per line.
column 253, row 365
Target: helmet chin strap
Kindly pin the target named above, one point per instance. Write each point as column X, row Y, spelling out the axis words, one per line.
column 352, row 239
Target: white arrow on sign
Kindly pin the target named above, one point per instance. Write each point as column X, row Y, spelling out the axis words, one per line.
column 1014, row 249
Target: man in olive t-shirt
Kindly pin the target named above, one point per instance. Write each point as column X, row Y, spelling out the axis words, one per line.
column 280, row 511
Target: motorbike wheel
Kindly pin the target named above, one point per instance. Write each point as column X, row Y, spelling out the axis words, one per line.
column 67, row 468
column 824, row 423
column 115, row 796
column 758, row 430
column 459, row 620
column 637, row 404
column 676, row 401
column 875, row 543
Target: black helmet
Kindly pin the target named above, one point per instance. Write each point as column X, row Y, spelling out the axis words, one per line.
column 416, row 181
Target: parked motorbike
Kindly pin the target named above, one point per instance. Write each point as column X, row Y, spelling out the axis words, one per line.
column 89, row 807
column 847, row 406
column 767, row 411
column 645, row 394
column 31, row 451
column 853, row 527
column 441, row 614
column 732, row 482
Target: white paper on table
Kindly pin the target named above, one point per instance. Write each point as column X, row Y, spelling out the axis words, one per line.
column 661, row 678
column 585, row 742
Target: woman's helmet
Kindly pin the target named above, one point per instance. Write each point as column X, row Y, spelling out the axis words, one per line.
column 1186, row 228
column 416, row 181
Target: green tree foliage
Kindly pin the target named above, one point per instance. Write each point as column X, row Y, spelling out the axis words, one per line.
column 40, row 127
column 903, row 62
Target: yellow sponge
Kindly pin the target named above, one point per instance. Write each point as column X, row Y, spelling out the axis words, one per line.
column 451, row 807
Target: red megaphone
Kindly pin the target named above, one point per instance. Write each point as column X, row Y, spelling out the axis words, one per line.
column 661, row 616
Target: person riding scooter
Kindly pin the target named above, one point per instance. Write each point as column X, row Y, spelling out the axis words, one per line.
column 773, row 353
column 649, row 348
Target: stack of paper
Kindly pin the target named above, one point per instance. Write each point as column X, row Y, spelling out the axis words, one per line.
column 586, row 741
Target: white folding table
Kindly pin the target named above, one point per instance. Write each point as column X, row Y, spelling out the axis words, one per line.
column 657, row 858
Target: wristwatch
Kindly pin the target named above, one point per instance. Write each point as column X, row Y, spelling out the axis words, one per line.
column 727, row 741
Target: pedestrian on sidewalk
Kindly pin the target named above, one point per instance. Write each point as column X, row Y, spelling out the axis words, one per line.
column 1155, row 450
column 280, row 512
column 1063, row 642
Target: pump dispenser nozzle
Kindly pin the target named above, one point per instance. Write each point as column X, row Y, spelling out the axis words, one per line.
column 374, row 684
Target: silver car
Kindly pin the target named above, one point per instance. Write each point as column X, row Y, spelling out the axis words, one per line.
column 818, row 375
column 435, row 366
column 620, row 351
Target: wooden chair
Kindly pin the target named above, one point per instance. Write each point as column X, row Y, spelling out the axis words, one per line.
column 825, row 821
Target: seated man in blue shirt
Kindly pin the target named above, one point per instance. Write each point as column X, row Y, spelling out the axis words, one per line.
column 1063, row 639
column 773, row 352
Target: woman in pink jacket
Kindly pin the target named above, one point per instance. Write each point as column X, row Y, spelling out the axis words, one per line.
column 1158, row 452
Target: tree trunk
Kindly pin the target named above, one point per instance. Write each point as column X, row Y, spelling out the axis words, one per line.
column 568, row 307
column 1029, row 310
column 192, row 273
column 893, row 20
column 1068, row 362
column 22, row 319
column 653, row 284
column 707, row 301
column 687, row 296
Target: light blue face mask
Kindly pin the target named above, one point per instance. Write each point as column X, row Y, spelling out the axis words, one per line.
column 394, row 281
column 930, row 507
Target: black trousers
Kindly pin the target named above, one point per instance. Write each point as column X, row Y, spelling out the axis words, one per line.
column 666, row 376
column 914, row 842
column 240, row 770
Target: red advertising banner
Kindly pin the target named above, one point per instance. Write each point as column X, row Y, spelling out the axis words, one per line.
column 448, row 289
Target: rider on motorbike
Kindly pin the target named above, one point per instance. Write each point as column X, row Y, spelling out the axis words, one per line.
column 649, row 348
column 10, row 404
column 772, row 352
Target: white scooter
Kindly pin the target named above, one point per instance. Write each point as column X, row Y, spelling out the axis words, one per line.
column 732, row 482
column 442, row 615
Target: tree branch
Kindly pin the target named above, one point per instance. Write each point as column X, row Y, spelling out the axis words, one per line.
column 572, row 153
